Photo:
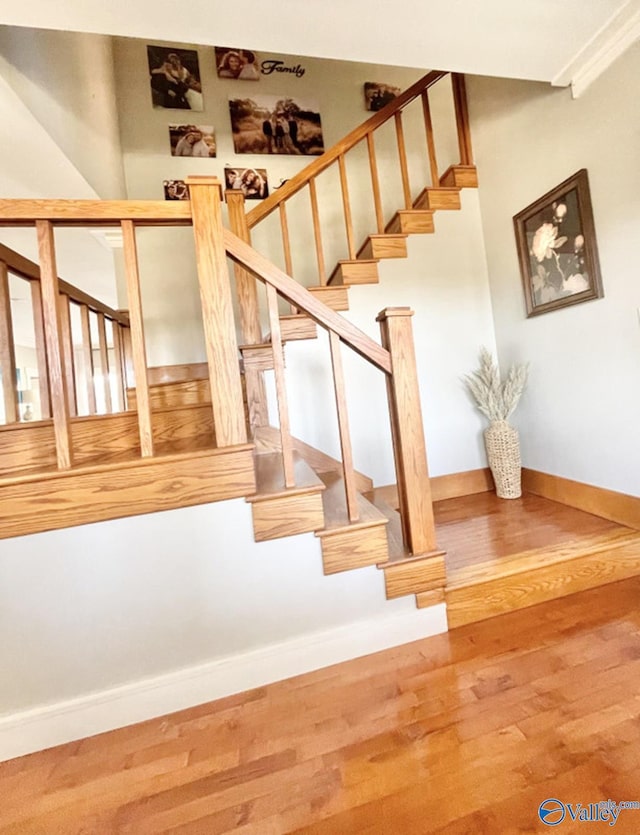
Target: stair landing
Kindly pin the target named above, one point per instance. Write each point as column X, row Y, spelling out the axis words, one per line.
column 503, row 555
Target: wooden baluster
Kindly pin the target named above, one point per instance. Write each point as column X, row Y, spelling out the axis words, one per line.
column 128, row 371
column 281, row 391
column 104, row 362
column 375, row 182
column 118, row 367
column 343, row 427
column 317, row 232
column 67, row 352
column 344, row 185
column 87, row 359
column 138, row 351
column 462, row 118
column 52, row 333
column 41, row 349
column 7, row 351
column 402, row 154
column 414, row 489
column 431, row 143
column 250, row 327
column 217, row 310
column 286, row 245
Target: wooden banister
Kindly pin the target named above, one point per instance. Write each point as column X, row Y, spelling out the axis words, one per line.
column 87, row 360
column 351, row 492
column 281, row 390
column 402, row 156
column 41, row 349
column 67, row 352
column 316, row 167
column 23, row 267
column 95, row 212
column 462, row 118
column 217, row 311
column 414, row 489
column 301, row 298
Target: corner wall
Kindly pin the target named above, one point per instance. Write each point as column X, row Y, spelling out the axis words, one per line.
column 580, row 417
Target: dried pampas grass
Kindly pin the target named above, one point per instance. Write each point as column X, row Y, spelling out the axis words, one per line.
column 496, row 399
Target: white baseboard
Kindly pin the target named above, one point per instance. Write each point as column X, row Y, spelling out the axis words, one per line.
column 55, row 724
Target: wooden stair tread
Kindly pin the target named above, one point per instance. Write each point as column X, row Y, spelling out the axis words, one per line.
column 438, row 198
column 270, row 477
column 411, row 222
column 383, row 245
column 295, row 326
column 539, row 558
column 355, row 271
column 335, row 509
column 398, row 552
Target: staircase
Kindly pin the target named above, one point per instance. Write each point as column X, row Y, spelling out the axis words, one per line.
column 182, row 435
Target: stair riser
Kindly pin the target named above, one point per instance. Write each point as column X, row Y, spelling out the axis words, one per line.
column 187, row 393
column 287, row 516
column 460, row 176
column 506, row 594
column 257, row 357
column 414, row 577
column 299, row 328
column 354, row 548
column 439, row 199
column 412, row 223
column 349, row 273
column 337, row 298
column 385, row 246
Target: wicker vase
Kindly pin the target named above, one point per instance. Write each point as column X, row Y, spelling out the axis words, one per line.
column 503, row 455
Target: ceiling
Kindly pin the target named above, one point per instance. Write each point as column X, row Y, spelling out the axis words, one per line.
column 559, row 41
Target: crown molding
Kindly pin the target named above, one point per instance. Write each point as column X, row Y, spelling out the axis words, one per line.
column 620, row 32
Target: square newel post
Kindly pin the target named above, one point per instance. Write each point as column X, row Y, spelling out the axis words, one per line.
column 217, row 312
column 250, row 327
column 414, row 489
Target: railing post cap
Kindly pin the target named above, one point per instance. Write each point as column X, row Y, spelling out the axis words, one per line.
column 203, row 180
column 231, row 194
column 390, row 312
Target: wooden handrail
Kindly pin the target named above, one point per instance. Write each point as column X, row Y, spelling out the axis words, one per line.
column 301, row 298
column 95, row 212
column 300, row 180
column 24, row 268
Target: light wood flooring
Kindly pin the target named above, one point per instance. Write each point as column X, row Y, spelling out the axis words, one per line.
column 461, row 733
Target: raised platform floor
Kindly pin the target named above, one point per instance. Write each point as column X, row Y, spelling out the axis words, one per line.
column 503, row 555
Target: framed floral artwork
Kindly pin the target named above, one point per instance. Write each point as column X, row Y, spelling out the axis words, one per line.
column 557, row 248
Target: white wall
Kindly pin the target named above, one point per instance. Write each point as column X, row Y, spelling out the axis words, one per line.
column 88, row 609
column 580, row 416
column 67, row 82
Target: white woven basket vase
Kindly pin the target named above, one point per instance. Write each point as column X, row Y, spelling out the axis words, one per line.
column 503, row 454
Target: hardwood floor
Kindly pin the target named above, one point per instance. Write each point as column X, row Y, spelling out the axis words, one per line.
column 462, row 733
column 485, row 529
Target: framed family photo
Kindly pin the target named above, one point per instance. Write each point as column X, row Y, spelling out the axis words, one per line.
column 557, row 249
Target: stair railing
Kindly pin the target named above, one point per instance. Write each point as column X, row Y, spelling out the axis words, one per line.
column 12, row 263
column 365, row 133
column 395, row 357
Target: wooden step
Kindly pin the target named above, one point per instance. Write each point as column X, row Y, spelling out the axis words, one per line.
column 384, row 246
column 335, row 297
column 107, row 491
column 438, row 198
column 183, row 393
column 177, row 373
column 481, row 591
column 296, row 326
column 29, row 448
column 406, row 573
column 460, row 176
column 412, row 222
column 257, row 357
column 285, row 511
column 345, row 544
column 360, row 271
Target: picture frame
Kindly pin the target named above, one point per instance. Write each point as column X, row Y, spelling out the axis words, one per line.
column 557, row 249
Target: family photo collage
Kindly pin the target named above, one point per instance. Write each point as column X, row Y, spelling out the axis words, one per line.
column 260, row 123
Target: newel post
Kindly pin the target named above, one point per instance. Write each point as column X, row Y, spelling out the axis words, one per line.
column 250, row 327
column 414, row 489
column 217, row 311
